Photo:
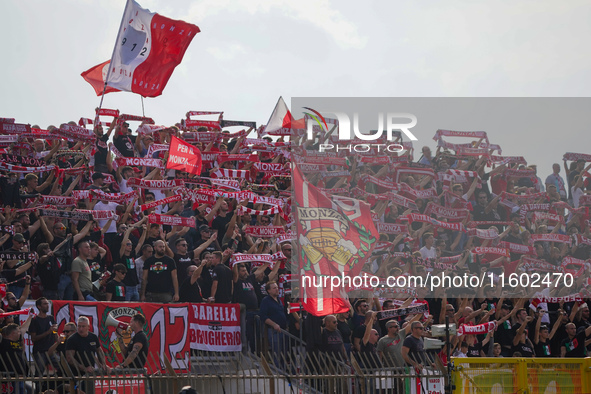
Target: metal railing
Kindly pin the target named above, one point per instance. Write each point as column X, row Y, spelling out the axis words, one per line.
column 211, row 372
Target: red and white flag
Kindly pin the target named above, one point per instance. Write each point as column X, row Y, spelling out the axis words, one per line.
column 336, row 236
column 183, row 156
column 148, row 48
column 281, row 121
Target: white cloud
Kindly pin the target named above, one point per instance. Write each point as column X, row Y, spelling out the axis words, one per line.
column 226, row 53
column 319, row 13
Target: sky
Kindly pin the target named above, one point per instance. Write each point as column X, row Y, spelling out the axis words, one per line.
column 251, row 52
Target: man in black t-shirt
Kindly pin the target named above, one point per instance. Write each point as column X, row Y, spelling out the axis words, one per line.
column 43, row 331
column 12, row 351
column 244, row 284
column 574, row 345
column 124, row 141
column 160, row 281
column 190, row 290
column 413, row 350
column 221, row 288
column 83, row 349
column 185, row 257
column 332, row 341
column 244, row 293
column 136, row 353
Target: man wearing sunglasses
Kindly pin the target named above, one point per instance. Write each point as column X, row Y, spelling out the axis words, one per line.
column 413, row 350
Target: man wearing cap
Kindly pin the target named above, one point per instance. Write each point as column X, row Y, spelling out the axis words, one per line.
column 206, row 233
column 19, row 245
column 124, row 141
column 98, row 181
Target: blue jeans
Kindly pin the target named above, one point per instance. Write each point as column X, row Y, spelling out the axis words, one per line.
column 131, row 293
column 65, row 289
column 276, row 346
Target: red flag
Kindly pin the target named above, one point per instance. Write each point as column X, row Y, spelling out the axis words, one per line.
column 183, row 156
column 336, row 236
column 148, row 48
column 96, row 77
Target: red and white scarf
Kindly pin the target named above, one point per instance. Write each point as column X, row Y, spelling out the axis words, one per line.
column 224, row 157
column 171, row 220
column 490, row 250
column 392, row 228
column 527, row 198
column 490, row 233
column 23, row 170
column 270, row 167
column 580, row 239
column 576, row 156
column 311, row 167
column 163, row 201
column 517, row 248
column 477, row 330
column 271, row 211
column 125, row 117
column 469, row 134
column 416, row 217
column 571, row 261
column 228, row 173
column 257, row 258
column 15, row 128
column 500, row 160
column 377, row 160
column 59, row 201
column 157, row 148
column 565, row 239
column 446, row 213
column 488, row 223
column 524, row 209
column 139, row 162
column 76, row 133
column 229, row 183
column 287, row 237
column 113, row 197
column 264, row 231
column 531, row 264
column 100, row 215
column 161, row 184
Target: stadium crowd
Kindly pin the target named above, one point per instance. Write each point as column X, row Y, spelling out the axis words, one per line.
column 82, row 221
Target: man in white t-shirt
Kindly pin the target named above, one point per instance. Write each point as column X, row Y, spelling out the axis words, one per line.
column 428, row 251
column 123, row 174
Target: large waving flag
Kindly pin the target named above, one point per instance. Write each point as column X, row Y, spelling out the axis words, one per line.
column 336, row 236
column 149, row 46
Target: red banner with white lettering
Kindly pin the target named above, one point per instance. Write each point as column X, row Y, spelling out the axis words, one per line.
column 172, row 329
column 183, row 156
column 215, row 327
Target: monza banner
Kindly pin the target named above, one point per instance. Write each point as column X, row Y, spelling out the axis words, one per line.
column 172, row 329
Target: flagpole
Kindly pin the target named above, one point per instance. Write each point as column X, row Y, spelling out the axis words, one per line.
column 143, row 113
column 127, row 4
